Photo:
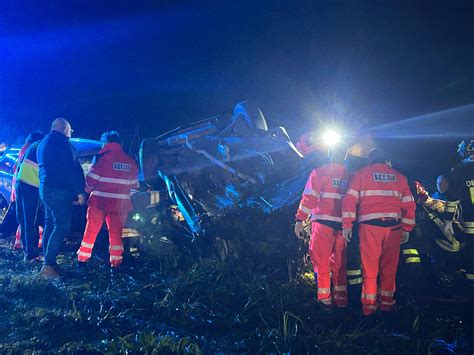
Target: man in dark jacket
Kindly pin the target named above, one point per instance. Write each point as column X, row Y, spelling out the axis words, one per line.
column 61, row 180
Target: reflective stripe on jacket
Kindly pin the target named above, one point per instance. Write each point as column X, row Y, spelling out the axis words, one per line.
column 111, row 178
column 378, row 192
column 323, row 193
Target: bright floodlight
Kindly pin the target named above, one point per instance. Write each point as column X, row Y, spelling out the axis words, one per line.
column 331, row 138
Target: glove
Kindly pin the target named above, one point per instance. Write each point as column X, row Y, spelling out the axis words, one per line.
column 299, row 229
column 405, row 237
column 347, row 234
column 448, row 228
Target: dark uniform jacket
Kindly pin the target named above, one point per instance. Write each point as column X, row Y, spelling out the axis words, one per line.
column 58, row 165
column 461, row 194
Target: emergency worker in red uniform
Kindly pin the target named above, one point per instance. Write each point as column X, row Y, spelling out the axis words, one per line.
column 322, row 202
column 109, row 182
column 379, row 198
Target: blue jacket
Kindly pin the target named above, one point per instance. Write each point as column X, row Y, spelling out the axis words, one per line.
column 58, row 165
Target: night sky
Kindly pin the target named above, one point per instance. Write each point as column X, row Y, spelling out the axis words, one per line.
column 152, row 65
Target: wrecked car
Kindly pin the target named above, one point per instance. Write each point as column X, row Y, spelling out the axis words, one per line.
column 213, row 167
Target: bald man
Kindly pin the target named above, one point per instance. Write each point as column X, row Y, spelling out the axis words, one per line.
column 61, row 182
column 442, row 184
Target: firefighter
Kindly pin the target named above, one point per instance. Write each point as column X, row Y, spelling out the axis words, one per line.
column 27, row 196
column 379, row 198
column 353, row 268
column 322, row 202
column 409, row 242
column 460, row 196
column 109, row 181
column 414, row 247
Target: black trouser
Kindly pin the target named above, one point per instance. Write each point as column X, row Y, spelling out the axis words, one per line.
column 469, row 253
column 411, row 267
column 27, row 204
column 353, row 269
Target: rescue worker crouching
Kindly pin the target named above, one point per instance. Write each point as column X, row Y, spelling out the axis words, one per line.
column 322, row 202
column 379, row 198
column 109, row 181
column 460, row 196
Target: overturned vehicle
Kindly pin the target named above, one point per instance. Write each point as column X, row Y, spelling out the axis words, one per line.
column 214, row 170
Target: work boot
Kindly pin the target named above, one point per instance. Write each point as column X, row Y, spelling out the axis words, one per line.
column 49, row 272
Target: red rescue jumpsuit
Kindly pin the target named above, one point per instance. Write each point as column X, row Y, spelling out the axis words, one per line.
column 109, row 181
column 380, row 198
column 322, row 200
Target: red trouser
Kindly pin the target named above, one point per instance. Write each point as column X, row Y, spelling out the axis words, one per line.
column 379, row 252
column 95, row 220
column 328, row 245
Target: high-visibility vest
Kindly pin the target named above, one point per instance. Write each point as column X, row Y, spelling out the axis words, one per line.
column 28, row 171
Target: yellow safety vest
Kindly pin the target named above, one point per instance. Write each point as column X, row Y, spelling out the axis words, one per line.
column 28, row 173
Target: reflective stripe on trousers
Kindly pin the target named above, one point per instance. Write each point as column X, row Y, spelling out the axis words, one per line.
column 326, row 245
column 380, row 250
column 95, row 220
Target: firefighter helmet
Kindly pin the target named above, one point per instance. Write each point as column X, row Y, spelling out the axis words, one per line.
column 466, row 148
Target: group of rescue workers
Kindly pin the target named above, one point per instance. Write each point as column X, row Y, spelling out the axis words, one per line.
column 376, row 203
column 49, row 174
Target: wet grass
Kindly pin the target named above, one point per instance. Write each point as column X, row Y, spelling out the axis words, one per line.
column 175, row 304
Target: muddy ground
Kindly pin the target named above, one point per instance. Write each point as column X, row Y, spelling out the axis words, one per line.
column 237, row 299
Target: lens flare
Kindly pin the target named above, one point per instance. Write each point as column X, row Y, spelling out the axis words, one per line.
column 331, row 138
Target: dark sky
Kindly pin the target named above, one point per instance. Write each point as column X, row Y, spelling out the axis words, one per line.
column 159, row 64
